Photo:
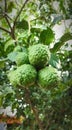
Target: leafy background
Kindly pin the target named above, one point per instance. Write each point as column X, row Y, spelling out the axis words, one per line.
column 25, row 23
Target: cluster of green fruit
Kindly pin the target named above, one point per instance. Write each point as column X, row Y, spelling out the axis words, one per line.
column 32, row 67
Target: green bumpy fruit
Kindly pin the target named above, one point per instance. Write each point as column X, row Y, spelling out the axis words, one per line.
column 39, row 55
column 14, row 77
column 22, row 58
column 24, row 75
column 48, row 77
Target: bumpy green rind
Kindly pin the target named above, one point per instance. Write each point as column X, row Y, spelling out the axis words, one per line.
column 24, row 75
column 14, row 77
column 39, row 55
column 22, row 58
column 48, row 77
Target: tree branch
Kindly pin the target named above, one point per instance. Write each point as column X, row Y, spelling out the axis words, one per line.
column 5, row 30
column 5, row 16
column 5, row 5
column 8, row 16
column 35, row 111
column 11, row 28
column 14, row 23
column 8, row 22
column 20, row 12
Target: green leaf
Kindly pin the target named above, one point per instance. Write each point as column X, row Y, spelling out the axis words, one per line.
column 12, row 56
column 8, row 90
column 1, row 98
column 9, row 45
column 54, row 61
column 22, row 25
column 23, row 35
column 63, row 39
column 56, row 20
column 47, row 36
column 66, row 37
column 4, row 23
column 1, row 50
column 2, row 62
column 11, row 5
column 62, row 6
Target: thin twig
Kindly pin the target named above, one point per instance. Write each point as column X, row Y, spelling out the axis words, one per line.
column 11, row 28
column 20, row 12
column 14, row 23
column 5, row 16
column 5, row 30
column 5, row 5
column 8, row 22
column 18, row 4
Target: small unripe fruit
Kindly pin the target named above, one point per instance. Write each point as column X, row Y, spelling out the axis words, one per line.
column 39, row 55
column 48, row 77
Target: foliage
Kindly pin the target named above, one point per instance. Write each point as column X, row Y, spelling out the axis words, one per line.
column 27, row 23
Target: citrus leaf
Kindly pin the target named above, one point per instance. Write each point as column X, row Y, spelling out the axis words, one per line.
column 54, row 61
column 56, row 20
column 9, row 45
column 2, row 62
column 8, row 90
column 66, row 37
column 63, row 39
column 22, row 25
column 11, row 5
column 12, row 56
column 47, row 36
column 62, row 7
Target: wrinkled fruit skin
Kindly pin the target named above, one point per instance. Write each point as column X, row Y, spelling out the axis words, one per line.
column 38, row 55
column 48, row 77
column 22, row 58
column 24, row 75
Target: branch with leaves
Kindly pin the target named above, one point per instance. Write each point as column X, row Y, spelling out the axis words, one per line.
column 14, row 23
column 5, row 30
column 19, row 13
column 7, row 18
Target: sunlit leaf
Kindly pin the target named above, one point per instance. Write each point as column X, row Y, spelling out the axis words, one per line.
column 12, row 56
column 8, row 90
column 9, row 45
column 54, row 61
